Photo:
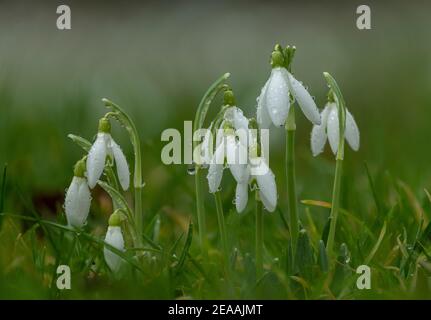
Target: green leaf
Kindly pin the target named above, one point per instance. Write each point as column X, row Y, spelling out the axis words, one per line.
column 323, row 257
column 304, row 257
column 186, row 249
column 83, row 143
column 118, row 198
column 80, row 233
column 373, row 189
column 325, row 232
column 377, row 245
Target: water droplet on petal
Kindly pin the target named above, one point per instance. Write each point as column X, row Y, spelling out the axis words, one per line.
column 191, row 170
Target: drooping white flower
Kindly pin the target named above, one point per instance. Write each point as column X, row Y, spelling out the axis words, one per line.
column 273, row 104
column 78, row 198
column 329, row 130
column 114, row 237
column 264, row 178
column 106, row 146
column 77, row 202
column 231, row 148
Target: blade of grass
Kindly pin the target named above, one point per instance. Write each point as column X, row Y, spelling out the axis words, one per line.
column 79, row 233
column 186, row 249
column 377, row 245
column 3, row 192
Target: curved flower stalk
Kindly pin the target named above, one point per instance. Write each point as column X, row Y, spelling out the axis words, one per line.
column 102, row 155
column 78, row 197
column 274, row 106
column 114, row 237
column 329, row 129
column 200, row 116
column 339, row 125
column 104, row 147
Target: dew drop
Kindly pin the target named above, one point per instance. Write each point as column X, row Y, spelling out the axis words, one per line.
column 191, row 170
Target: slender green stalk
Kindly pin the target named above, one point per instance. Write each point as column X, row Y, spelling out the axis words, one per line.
column 221, row 225
column 138, row 184
column 200, row 116
column 291, row 179
column 335, row 208
column 259, row 238
column 200, row 208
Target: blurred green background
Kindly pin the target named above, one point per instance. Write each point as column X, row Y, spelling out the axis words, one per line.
column 156, row 59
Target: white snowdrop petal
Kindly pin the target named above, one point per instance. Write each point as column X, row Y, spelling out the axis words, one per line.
column 77, row 202
column 267, row 187
column 277, row 97
column 71, row 202
column 85, row 200
column 352, row 132
column 206, row 147
column 304, row 99
column 237, row 161
column 241, row 196
column 219, row 134
column 318, row 134
column 122, row 165
column 269, row 205
column 114, row 237
column 96, row 159
column 235, row 116
column 333, row 128
column 262, row 115
column 240, row 122
column 215, row 170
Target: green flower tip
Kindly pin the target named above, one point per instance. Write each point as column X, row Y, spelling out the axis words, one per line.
column 277, row 59
column 107, row 102
column 104, row 125
column 228, row 98
column 252, row 123
column 278, row 47
column 289, row 53
column 228, row 128
column 79, row 169
column 115, row 220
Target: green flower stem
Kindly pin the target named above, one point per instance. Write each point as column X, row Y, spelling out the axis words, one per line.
column 335, row 208
column 218, row 86
column 291, row 180
column 259, row 238
column 138, row 184
column 200, row 207
column 222, row 226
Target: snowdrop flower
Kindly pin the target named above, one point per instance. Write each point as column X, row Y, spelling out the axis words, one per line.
column 274, row 102
column 114, row 237
column 106, row 146
column 330, row 130
column 78, row 198
column 234, row 153
column 262, row 176
column 233, row 125
column 231, row 147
